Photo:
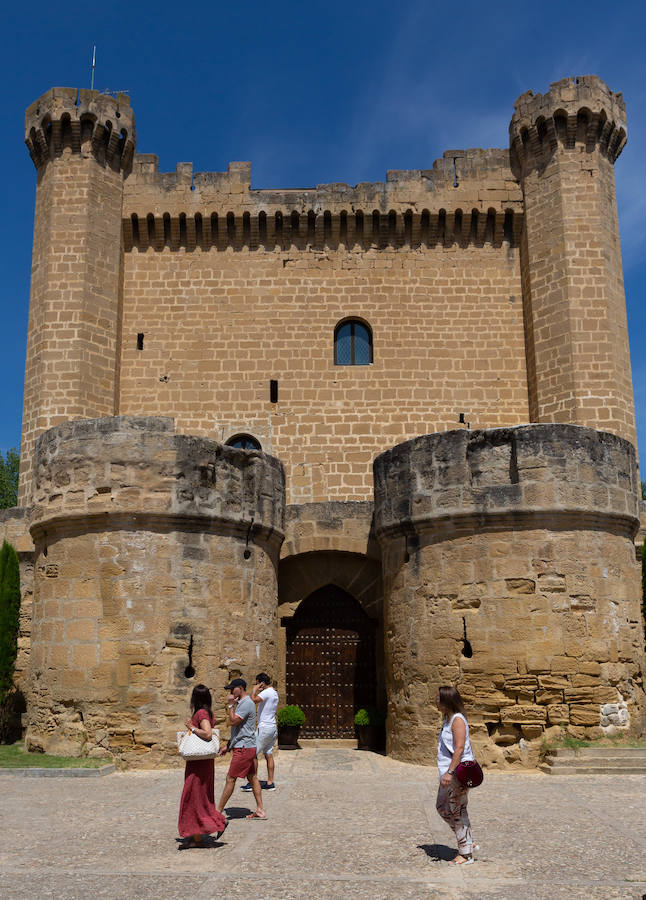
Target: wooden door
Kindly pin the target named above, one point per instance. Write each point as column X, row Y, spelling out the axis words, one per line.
column 330, row 662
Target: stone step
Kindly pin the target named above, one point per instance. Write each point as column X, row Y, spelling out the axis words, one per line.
column 317, row 743
column 596, row 761
column 599, row 752
column 592, row 769
column 617, row 762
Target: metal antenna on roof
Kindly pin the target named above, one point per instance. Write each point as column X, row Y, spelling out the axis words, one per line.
column 93, row 66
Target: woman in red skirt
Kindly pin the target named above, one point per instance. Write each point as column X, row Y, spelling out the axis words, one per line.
column 197, row 812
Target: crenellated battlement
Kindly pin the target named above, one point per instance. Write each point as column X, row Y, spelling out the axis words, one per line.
column 467, row 197
column 455, row 172
column 581, row 111
column 70, row 118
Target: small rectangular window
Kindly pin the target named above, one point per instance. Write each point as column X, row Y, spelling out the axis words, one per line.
column 140, row 341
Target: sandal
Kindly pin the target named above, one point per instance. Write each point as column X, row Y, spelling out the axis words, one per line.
column 191, row 844
column 462, row 860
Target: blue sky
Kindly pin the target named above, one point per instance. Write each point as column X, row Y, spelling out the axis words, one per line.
column 312, row 93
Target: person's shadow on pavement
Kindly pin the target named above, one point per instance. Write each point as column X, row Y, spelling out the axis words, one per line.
column 438, row 851
column 208, row 842
column 237, row 812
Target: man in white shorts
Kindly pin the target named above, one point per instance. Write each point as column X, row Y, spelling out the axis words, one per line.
column 266, row 699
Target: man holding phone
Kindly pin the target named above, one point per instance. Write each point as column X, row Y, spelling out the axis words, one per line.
column 266, row 699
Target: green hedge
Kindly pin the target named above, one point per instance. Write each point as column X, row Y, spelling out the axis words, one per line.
column 290, row 716
column 9, row 616
column 369, row 715
column 11, row 700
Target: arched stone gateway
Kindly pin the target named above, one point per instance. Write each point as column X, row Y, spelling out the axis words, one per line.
column 330, row 610
column 331, row 662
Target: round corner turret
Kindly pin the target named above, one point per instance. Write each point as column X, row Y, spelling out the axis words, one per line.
column 70, row 118
column 580, row 110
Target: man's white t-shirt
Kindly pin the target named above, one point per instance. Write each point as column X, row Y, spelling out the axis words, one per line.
column 268, row 706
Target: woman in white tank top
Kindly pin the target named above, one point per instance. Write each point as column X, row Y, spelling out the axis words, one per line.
column 454, row 747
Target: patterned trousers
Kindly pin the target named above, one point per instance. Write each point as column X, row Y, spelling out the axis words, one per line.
column 452, row 806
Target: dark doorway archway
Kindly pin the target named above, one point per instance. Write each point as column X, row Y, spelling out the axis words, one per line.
column 330, row 662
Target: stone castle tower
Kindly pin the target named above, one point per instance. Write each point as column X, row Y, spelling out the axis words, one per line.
column 212, row 371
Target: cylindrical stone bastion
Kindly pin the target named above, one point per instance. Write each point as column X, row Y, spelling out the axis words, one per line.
column 510, row 572
column 156, row 560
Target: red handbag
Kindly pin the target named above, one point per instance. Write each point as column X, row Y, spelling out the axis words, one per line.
column 469, row 773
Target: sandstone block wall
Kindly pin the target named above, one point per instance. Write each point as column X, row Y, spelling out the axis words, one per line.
column 141, row 536
column 231, row 287
column 337, row 525
column 186, row 293
column 509, row 570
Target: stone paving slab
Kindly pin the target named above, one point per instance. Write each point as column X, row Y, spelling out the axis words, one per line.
column 341, row 824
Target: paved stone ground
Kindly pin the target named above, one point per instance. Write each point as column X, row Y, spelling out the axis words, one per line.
column 342, row 824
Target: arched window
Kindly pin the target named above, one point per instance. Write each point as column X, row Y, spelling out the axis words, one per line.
column 352, row 343
column 244, row 442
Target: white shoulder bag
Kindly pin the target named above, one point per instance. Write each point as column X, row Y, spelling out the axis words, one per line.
column 190, row 746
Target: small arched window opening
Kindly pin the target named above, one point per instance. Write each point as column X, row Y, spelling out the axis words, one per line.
column 244, row 442
column 352, row 343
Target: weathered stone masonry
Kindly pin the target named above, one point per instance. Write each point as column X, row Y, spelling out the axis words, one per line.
column 519, row 541
column 144, row 540
column 162, row 307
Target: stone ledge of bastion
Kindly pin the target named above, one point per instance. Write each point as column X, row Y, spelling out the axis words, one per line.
column 14, row 527
column 461, row 179
column 138, row 469
column 532, row 476
column 641, row 534
column 339, row 525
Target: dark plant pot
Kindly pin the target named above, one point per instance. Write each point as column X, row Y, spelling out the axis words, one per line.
column 371, row 737
column 288, row 737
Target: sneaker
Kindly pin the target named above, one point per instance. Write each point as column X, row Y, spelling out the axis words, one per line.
column 270, row 787
column 245, row 787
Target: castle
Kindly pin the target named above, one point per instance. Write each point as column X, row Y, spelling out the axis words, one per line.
column 369, row 439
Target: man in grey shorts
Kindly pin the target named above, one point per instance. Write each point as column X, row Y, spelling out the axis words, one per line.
column 266, row 699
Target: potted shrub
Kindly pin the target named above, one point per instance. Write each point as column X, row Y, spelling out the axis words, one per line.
column 370, row 724
column 290, row 719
